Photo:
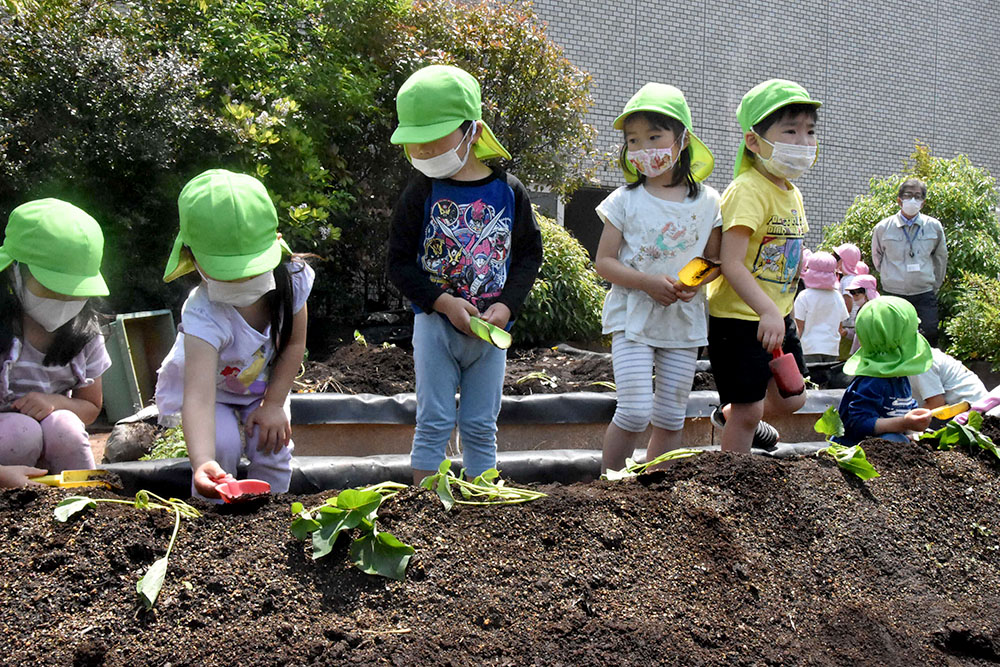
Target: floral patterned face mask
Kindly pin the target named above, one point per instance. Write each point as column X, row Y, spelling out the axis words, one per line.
column 652, row 162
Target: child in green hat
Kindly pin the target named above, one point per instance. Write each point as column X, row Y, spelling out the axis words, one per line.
column 242, row 335
column 53, row 354
column 878, row 403
column 763, row 223
column 463, row 242
column 664, row 218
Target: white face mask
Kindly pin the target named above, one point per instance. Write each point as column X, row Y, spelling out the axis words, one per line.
column 911, row 207
column 240, row 294
column 50, row 313
column 788, row 160
column 652, row 162
column 448, row 163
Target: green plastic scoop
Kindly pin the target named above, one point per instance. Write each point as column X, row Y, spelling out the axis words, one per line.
column 490, row 333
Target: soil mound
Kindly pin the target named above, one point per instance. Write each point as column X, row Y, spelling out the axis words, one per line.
column 373, row 369
column 720, row 560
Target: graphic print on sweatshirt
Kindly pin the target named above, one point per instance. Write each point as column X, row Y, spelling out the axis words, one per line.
column 466, row 248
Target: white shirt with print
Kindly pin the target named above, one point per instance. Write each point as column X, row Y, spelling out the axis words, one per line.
column 659, row 236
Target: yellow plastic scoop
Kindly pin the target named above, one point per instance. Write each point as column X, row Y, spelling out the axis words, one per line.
column 490, row 333
column 74, row 478
column 694, row 272
column 948, row 411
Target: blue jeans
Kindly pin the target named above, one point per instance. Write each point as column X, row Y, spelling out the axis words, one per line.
column 445, row 361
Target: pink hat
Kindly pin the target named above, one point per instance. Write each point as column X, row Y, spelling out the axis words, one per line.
column 864, row 281
column 849, row 255
column 820, row 271
column 861, row 269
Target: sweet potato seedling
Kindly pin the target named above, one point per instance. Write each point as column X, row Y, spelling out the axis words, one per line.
column 633, row 468
column 851, row 459
column 486, row 489
column 967, row 434
column 373, row 552
column 149, row 584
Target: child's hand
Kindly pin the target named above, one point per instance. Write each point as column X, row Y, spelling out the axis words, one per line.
column 771, row 331
column 498, row 315
column 14, row 476
column 685, row 292
column 661, row 288
column 273, row 428
column 457, row 311
column 35, row 404
column 206, row 476
column 917, row 419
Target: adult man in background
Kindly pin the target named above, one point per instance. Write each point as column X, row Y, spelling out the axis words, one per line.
column 910, row 254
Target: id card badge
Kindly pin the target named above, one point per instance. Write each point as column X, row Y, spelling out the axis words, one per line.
column 913, row 268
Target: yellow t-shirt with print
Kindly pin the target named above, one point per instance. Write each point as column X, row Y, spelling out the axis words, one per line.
column 774, row 251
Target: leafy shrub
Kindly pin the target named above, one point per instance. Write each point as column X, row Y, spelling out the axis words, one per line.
column 974, row 329
column 962, row 196
column 566, row 300
column 86, row 118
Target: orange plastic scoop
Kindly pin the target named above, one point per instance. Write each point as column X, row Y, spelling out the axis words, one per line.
column 694, row 272
column 240, row 490
column 786, row 374
column 946, row 412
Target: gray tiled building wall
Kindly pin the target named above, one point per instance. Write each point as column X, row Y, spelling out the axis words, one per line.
column 888, row 73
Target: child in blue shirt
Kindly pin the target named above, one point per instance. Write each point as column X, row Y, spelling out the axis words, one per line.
column 463, row 242
column 878, row 403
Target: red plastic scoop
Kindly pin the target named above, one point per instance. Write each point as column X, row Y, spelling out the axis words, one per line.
column 786, row 374
column 240, row 490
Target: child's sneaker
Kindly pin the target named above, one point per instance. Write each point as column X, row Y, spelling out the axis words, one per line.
column 764, row 437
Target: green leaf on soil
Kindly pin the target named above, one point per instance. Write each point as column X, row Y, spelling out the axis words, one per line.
column 381, row 554
column 829, row 423
column 67, row 507
column 851, row 459
column 332, row 521
column 363, row 502
column 150, row 583
column 967, row 434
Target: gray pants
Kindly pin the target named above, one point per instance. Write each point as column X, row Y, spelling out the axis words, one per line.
column 926, row 305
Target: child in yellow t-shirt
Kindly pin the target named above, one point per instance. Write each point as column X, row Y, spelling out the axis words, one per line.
column 763, row 228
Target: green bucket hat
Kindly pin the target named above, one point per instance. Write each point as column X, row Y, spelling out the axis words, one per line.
column 434, row 102
column 61, row 245
column 229, row 223
column 669, row 101
column 890, row 344
column 760, row 102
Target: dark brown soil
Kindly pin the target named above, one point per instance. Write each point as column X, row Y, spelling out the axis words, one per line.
column 720, row 560
column 372, row 369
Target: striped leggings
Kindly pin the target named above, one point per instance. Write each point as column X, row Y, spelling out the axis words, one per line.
column 638, row 405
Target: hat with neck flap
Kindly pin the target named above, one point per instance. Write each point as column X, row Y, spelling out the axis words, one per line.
column 890, row 343
column 669, row 101
column 230, row 225
column 760, row 102
column 434, row 102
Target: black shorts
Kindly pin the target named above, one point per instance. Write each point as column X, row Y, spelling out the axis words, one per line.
column 740, row 362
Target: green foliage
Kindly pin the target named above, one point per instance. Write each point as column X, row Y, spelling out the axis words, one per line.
column 373, row 552
column 968, row 435
column 566, row 300
column 974, row 329
column 170, row 445
column 149, row 585
column 851, row 459
column 88, row 117
column 633, row 468
column 486, row 489
column 962, row 196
